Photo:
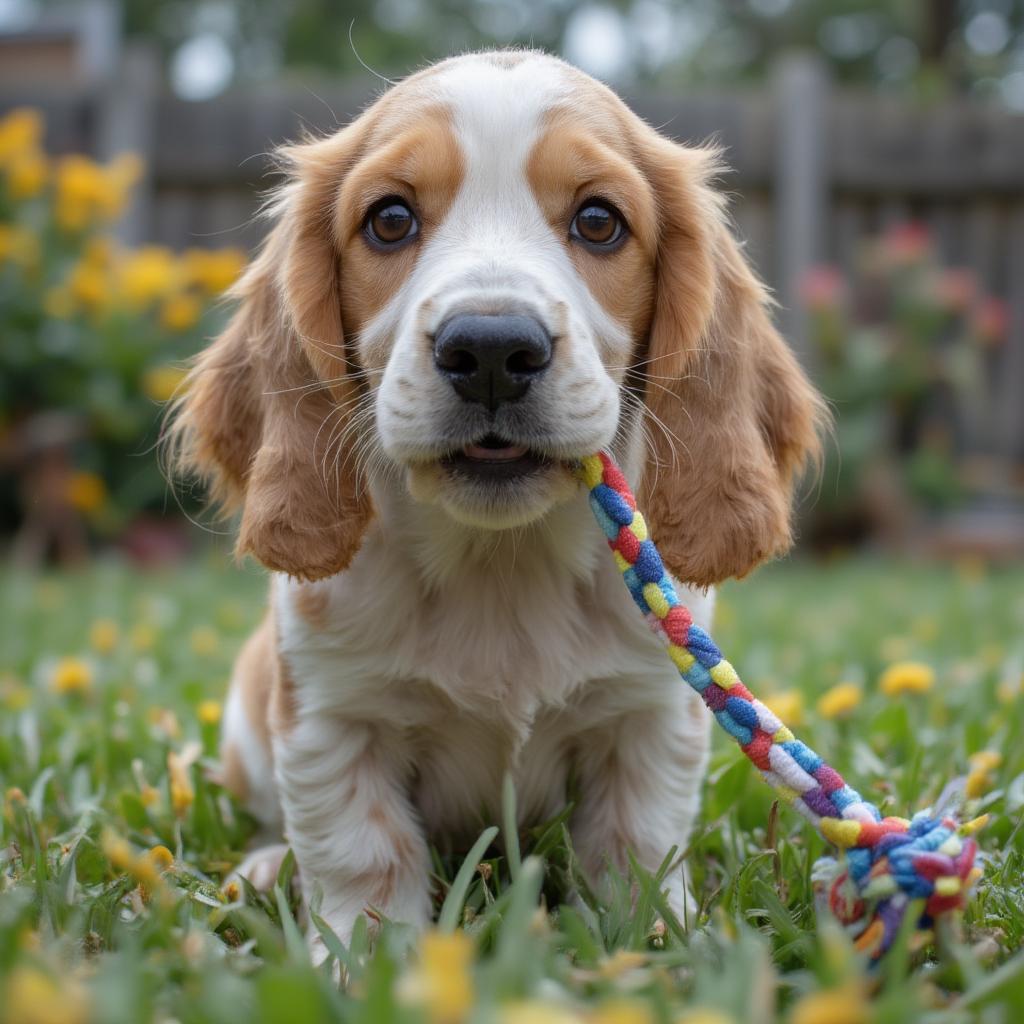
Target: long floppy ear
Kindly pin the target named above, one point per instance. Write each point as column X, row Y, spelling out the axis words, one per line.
column 266, row 401
column 732, row 417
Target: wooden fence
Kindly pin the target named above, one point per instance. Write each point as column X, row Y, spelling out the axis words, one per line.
column 813, row 172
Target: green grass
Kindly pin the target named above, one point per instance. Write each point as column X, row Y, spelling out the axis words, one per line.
column 86, row 771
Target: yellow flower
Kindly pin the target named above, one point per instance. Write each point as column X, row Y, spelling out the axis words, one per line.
column 89, row 193
column 203, row 641
column 213, row 270
column 182, row 793
column 180, row 312
column 59, row 304
column 103, row 635
column 907, row 677
column 443, row 981
column 986, row 760
column 845, row 1005
column 839, row 701
column 123, row 857
column 788, row 705
column 209, row 712
column 19, row 246
column 161, row 383
column 535, row 1012
column 26, row 176
column 33, row 997
column 623, row 1012
column 704, row 1015
column 88, row 287
column 21, row 131
column 979, row 778
column 146, row 275
column 14, row 694
column 149, row 795
column 143, row 636
column 161, row 857
column 86, row 491
column 71, row 675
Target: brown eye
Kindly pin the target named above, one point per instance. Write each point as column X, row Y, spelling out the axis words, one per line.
column 597, row 224
column 391, row 221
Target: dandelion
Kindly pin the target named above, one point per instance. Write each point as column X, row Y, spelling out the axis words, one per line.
column 71, row 675
column 104, row 635
column 907, row 677
column 840, row 701
column 623, row 1012
column 980, row 778
column 442, row 982
column 161, row 383
column 534, row 1012
column 788, row 705
column 179, row 773
column 845, row 1005
column 203, row 641
column 161, row 857
column 86, row 492
column 213, row 270
column 148, row 274
column 209, row 712
column 33, row 997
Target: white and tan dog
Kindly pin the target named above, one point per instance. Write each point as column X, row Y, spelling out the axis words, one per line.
column 496, row 269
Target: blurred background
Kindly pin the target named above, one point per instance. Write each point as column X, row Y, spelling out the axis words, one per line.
column 877, row 155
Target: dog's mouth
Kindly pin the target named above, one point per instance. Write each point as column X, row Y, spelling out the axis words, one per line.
column 495, row 458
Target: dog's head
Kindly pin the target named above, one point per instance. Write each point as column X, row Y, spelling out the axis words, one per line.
column 495, row 270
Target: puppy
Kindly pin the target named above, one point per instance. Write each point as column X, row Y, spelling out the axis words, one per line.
column 493, row 271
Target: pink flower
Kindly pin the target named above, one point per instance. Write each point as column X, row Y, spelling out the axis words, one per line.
column 822, row 287
column 991, row 321
column 955, row 289
column 906, row 243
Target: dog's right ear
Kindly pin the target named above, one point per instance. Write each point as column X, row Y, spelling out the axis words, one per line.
column 264, row 403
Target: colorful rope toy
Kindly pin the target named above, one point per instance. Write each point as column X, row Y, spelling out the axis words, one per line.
column 888, row 862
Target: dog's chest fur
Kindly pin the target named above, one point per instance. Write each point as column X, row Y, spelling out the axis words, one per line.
column 481, row 653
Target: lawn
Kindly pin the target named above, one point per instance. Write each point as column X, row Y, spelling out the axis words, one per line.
column 113, row 842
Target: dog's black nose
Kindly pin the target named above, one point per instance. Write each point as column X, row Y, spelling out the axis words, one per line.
column 491, row 359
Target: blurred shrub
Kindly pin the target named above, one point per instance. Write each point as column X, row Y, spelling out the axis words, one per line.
column 903, row 349
column 94, row 333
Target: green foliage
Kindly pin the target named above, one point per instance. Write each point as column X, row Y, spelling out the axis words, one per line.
column 108, row 731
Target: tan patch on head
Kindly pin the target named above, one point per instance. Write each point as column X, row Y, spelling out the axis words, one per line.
column 418, row 160
column 583, row 156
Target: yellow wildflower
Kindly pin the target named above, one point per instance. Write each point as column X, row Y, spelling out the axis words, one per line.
column 213, row 270
column 146, row 275
column 149, row 795
column 535, row 1012
column 88, row 287
column 180, row 312
column 980, row 778
column 26, row 176
column 33, row 997
column 209, row 712
column 232, row 891
column 21, row 131
column 161, row 857
column 14, row 694
column 986, row 760
column 623, row 1012
column 103, row 635
column 443, row 982
column 143, row 636
column 622, row 961
column 178, row 770
column 18, row 245
column 161, row 383
column 124, row 858
column 71, row 675
column 704, row 1015
column 839, row 701
column 907, row 677
column 203, row 641
column 788, row 705
column 846, row 1005
column 86, row 491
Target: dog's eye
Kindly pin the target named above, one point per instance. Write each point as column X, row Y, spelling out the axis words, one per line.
column 389, row 222
column 597, row 223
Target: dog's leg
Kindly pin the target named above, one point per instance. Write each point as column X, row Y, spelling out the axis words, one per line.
column 356, row 838
column 640, row 779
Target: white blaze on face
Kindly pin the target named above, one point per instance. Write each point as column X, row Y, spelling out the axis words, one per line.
column 495, row 252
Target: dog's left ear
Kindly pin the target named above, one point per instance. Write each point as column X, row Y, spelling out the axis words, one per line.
column 732, row 417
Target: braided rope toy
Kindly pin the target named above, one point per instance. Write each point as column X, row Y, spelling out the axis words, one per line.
column 888, row 862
